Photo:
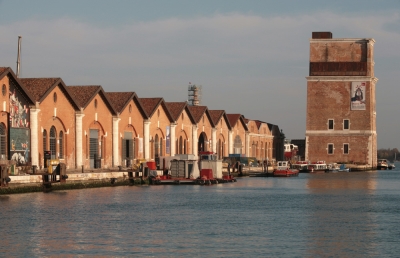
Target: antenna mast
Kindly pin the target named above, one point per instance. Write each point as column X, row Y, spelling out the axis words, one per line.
column 19, row 55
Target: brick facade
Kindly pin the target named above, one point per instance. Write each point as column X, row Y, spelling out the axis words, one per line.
column 85, row 127
column 341, row 105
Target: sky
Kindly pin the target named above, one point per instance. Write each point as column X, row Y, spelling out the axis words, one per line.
column 250, row 57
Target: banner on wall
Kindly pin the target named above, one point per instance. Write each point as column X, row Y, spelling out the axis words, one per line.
column 168, row 141
column 357, row 101
column 19, row 141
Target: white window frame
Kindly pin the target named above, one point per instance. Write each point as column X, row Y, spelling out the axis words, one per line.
column 333, row 149
column 348, row 148
column 348, row 124
column 333, row 124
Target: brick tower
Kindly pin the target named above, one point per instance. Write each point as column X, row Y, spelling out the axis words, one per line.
column 341, row 113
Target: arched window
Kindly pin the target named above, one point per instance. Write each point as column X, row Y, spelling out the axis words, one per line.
column 44, row 140
column 180, row 150
column 219, row 149
column 3, row 142
column 61, row 145
column 53, row 142
column 156, row 146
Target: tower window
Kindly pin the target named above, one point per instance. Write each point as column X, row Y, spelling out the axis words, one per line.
column 346, row 124
column 330, row 124
column 330, row 148
column 346, row 148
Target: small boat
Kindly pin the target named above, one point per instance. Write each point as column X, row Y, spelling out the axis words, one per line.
column 343, row 168
column 318, row 166
column 391, row 166
column 302, row 166
column 382, row 164
column 332, row 168
column 283, row 170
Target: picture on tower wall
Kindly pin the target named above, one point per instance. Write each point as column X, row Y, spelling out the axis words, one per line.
column 357, row 101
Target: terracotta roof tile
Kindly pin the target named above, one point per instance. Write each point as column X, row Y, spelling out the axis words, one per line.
column 150, row 104
column 119, row 100
column 175, row 109
column 197, row 112
column 216, row 115
column 38, row 87
column 233, row 118
column 83, row 94
column 3, row 69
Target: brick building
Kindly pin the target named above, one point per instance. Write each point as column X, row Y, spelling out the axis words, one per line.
column 341, row 113
column 86, row 127
column 127, row 128
column 221, row 131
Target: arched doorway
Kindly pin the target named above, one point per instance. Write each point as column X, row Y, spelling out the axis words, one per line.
column 203, row 142
column 53, row 143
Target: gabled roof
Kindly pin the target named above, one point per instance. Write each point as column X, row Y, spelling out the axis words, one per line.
column 217, row 115
column 150, row 106
column 197, row 113
column 272, row 127
column 119, row 100
column 40, row 88
column 176, row 109
column 83, row 95
column 7, row 71
column 235, row 118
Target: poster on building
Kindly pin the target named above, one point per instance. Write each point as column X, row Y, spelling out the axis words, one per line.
column 357, row 101
column 19, row 141
column 19, row 108
column 168, row 141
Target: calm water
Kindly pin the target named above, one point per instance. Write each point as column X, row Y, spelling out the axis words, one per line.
column 314, row 215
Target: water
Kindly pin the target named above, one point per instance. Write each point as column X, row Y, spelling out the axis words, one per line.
column 314, row 215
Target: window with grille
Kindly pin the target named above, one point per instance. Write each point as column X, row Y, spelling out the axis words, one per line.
column 61, row 145
column 53, row 142
column 3, row 142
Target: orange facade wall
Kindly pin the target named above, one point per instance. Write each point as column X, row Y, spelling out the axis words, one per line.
column 158, row 132
column 57, row 112
column 103, row 125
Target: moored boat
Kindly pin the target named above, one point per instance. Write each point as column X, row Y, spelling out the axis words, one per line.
column 382, row 164
column 318, row 166
column 302, row 166
column 283, row 170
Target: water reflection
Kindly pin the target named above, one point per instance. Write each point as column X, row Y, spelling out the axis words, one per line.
column 338, row 212
column 334, row 215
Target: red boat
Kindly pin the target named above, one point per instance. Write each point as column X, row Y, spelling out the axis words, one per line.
column 283, row 170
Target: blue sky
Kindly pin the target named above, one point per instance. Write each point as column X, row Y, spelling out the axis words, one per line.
column 250, row 57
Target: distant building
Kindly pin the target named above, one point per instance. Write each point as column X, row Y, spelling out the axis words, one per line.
column 341, row 112
column 301, row 147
